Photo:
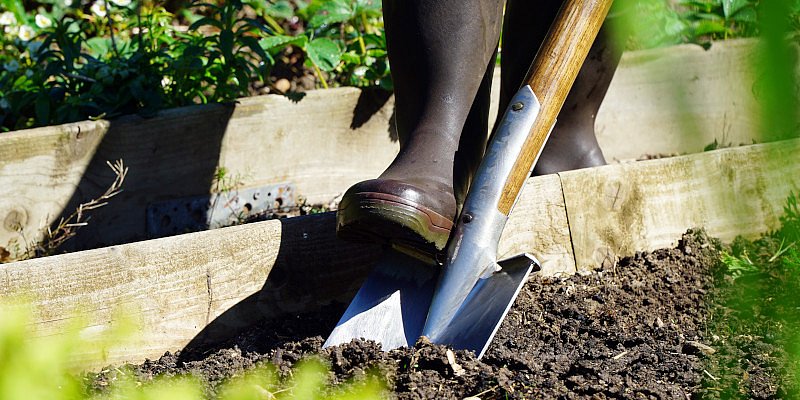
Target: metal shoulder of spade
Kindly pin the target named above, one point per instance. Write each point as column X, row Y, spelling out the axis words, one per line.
column 463, row 302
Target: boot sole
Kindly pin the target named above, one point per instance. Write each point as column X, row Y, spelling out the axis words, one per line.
column 386, row 218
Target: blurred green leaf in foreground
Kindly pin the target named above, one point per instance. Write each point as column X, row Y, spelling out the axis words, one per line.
column 48, row 368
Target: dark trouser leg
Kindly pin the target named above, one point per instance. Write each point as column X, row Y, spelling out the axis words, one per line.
column 439, row 51
column 474, row 137
column 572, row 144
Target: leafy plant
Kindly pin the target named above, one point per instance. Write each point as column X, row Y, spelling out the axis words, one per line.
column 323, row 53
column 756, row 297
column 649, row 23
column 98, row 66
column 65, row 63
column 44, row 368
column 738, row 265
column 220, row 60
column 360, row 29
column 342, row 38
column 654, row 23
column 66, row 74
column 720, row 19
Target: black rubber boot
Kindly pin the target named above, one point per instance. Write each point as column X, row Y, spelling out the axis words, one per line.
column 572, row 144
column 439, row 52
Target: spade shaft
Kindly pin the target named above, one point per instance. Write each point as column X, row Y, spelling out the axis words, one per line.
column 509, row 160
column 550, row 77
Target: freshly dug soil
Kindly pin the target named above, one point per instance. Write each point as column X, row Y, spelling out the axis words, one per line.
column 638, row 330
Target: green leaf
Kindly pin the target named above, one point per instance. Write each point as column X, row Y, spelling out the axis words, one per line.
column 324, row 53
column 226, row 43
column 280, row 9
column 42, row 108
column 351, row 58
column 253, row 44
column 99, row 45
column 730, row 7
column 370, row 7
column 256, row 24
column 20, row 81
column 206, row 21
column 748, row 15
column 375, row 40
column 377, row 53
column 709, row 27
column 280, row 41
column 331, row 12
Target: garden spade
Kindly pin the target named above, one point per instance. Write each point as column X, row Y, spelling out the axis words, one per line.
column 462, row 302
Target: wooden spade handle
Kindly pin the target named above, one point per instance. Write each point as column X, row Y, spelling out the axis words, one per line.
column 551, row 76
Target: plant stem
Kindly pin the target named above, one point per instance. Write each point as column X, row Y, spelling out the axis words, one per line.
column 321, row 78
column 365, row 23
column 139, row 37
column 273, row 24
column 111, row 31
column 360, row 36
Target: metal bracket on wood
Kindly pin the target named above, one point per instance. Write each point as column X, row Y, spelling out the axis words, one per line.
column 217, row 210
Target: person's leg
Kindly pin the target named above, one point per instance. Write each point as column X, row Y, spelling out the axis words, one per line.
column 439, row 52
column 474, row 137
column 572, row 144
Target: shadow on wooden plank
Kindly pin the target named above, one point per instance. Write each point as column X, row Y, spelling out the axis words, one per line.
column 314, row 270
column 370, row 102
column 184, row 162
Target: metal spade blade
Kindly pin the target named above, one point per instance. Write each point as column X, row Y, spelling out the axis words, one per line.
column 474, row 325
column 391, row 306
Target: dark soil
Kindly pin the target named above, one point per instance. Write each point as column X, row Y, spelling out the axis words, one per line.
column 639, row 330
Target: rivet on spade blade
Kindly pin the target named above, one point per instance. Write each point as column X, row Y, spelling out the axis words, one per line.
column 517, row 106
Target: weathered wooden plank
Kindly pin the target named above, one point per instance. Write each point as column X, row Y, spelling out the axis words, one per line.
column 679, row 99
column 323, row 144
column 39, row 171
column 538, row 225
column 200, row 287
column 616, row 210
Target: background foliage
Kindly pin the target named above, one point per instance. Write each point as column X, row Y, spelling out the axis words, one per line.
column 69, row 60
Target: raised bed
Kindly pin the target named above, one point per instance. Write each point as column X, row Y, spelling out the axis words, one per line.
column 189, row 290
column 331, row 139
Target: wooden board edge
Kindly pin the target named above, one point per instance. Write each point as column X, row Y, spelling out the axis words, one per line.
column 617, row 210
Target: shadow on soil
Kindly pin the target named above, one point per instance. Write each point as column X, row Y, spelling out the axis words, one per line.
column 313, row 271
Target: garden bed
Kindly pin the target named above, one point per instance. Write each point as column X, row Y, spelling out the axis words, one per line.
column 189, row 291
column 655, row 325
column 622, row 332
